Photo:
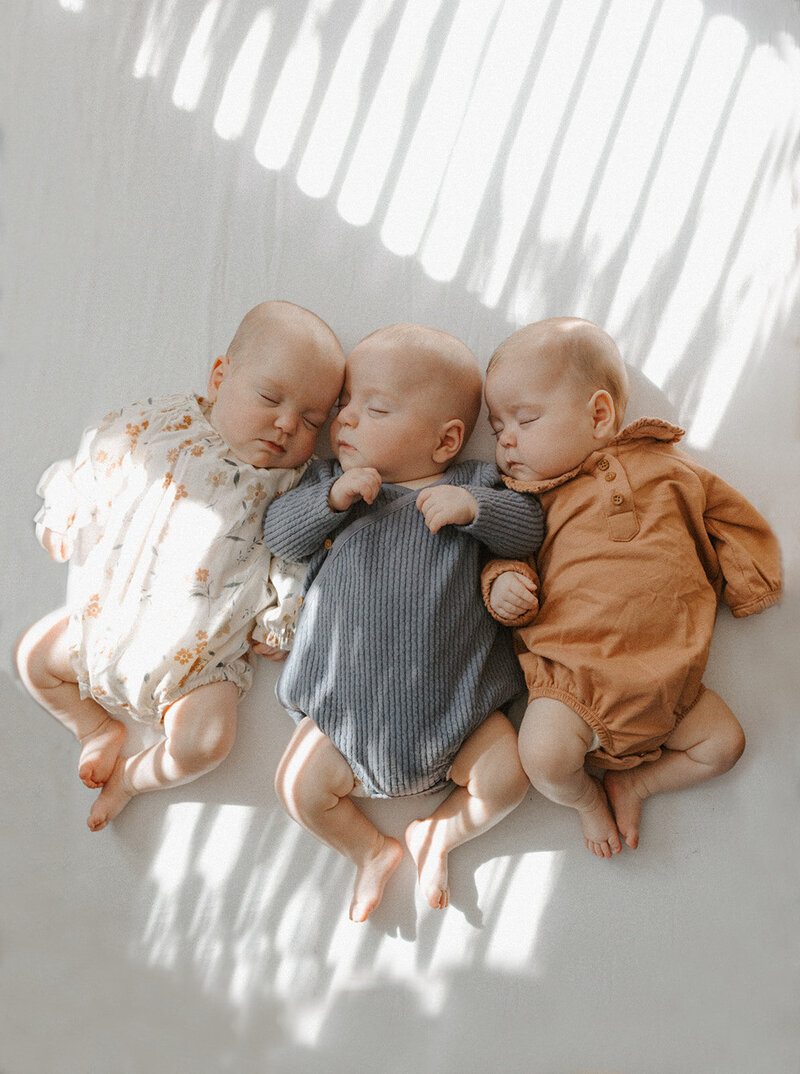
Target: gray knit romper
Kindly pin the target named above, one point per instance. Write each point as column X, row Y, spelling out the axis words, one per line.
column 396, row 658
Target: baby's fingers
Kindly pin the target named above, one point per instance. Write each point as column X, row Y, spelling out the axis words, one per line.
column 58, row 545
column 369, row 485
column 521, row 586
column 271, row 652
column 427, row 506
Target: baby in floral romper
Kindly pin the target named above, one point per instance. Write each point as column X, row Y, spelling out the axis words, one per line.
column 171, row 581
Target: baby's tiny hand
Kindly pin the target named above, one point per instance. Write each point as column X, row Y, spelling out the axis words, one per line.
column 57, row 545
column 271, row 652
column 446, row 505
column 512, row 595
column 361, row 483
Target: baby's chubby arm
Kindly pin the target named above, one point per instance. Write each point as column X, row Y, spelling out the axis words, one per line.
column 297, row 523
column 508, row 523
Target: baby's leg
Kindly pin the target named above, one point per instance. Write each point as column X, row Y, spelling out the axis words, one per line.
column 553, row 741
column 490, row 783
column 313, row 783
column 200, row 729
column 707, row 742
column 44, row 665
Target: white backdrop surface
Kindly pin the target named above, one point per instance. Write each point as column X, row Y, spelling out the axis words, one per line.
column 472, row 165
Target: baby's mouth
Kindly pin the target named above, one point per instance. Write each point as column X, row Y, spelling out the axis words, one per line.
column 514, row 464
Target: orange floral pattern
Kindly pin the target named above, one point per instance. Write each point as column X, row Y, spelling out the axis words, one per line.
column 176, row 577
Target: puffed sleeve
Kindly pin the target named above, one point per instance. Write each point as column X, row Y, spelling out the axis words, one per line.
column 78, row 492
column 492, row 571
column 749, row 575
column 277, row 623
column 68, row 491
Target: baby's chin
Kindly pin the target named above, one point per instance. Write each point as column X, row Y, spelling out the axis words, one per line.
column 518, row 471
column 268, row 460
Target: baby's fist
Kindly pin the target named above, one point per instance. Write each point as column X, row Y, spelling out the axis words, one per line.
column 360, row 483
column 271, row 652
column 446, row 505
column 512, row 596
column 57, row 545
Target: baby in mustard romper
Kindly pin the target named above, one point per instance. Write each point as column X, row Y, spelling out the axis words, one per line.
column 614, row 617
column 170, row 581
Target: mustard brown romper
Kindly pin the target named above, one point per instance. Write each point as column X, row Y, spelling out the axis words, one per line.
column 640, row 544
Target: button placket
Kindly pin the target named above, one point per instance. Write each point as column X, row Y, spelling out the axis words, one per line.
column 619, row 507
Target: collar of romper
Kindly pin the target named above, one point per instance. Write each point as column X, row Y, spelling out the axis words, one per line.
column 643, row 429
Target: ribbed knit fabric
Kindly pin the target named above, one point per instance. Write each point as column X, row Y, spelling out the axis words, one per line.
column 396, row 658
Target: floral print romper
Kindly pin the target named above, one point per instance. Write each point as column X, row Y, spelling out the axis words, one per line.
column 170, row 580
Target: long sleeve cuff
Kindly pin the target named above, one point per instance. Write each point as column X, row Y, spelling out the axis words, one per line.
column 491, row 572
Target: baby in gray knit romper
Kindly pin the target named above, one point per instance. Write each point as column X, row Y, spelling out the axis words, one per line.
column 398, row 673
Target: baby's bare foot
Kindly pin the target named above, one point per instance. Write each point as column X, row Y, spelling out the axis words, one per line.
column 371, row 879
column 625, row 796
column 431, row 863
column 113, row 798
column 99, row 752
column 600, row 833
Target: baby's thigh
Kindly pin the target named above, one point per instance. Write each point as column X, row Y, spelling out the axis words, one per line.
column 311, row 766
column 203, row 722
column 42, row 651
column 708, row 731
column 553, row 736
column 489, row 744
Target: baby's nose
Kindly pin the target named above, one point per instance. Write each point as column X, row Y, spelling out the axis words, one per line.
column 286, row 420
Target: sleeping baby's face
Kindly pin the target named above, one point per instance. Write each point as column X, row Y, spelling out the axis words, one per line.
column 542, row 419
column 391, row 414
column 556, row 392
column 270, row 402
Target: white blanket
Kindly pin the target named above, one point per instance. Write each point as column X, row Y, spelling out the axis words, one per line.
column 471, row 165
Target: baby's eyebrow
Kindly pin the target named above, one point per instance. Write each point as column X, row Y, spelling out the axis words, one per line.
column 373, row 394
column 267, row 384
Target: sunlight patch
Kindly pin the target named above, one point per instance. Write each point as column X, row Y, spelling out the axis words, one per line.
column 292, row 94
column 156, row 40
column 338, row 110
column 237, row 97
column 196, row 63
column 380, row 134
column 519, row 891
column 223, row 845
column 538, row 131
column 480, row 135
column 425, row 164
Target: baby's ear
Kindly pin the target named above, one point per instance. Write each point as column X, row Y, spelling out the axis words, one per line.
column 604, row 414
column 451, row 440
column 218, row 371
